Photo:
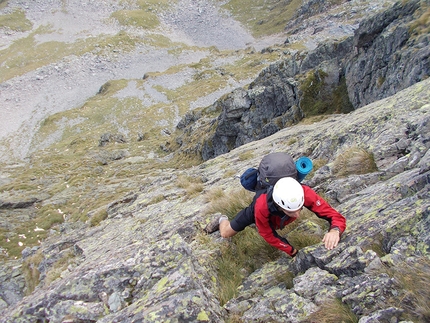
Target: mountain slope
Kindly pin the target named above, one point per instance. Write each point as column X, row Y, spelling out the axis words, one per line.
column 104, row 223
column 149, row 261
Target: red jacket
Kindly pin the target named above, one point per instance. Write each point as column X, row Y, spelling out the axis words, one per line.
column 268, row 218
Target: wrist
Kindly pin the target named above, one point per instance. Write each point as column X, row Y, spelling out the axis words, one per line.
column 222, row 218
column 294, row 253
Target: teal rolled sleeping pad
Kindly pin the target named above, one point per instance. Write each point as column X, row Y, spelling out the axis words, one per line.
column 304, row 166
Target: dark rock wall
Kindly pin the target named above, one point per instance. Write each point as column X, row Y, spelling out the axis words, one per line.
column 384, row 56
column 388, row 57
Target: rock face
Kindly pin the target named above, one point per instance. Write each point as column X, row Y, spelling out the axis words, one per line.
column 385, row 55
column 388, row 56
column 148, row 262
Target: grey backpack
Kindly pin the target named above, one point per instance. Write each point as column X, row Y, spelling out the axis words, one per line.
column 275, row 166
column 272, row 167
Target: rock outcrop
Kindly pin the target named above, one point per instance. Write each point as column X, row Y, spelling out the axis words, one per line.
column 390, row 55
column 386, row 54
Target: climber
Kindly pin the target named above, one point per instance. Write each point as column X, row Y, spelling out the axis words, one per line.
column 272, row 209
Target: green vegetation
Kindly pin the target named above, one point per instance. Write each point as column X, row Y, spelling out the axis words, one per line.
column 76, row 165
column 292, row 141
column 228, row 204
column 31, row 272
column 137, row 18
column 29, row 231
column 301, row 233
column 15, row 21
column 317, row 164
column 381, row 81
column 320, row 98
column 214, row 194
column 208, row 79
column 354, row 160
column 82, row 177
column 313, row 119
column 263, row 17
column 25, row 54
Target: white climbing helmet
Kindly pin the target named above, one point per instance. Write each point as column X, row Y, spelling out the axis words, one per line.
column 288, row 194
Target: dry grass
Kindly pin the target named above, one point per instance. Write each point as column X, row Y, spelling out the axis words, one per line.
column 26, row 54
column 246, row 253
column 136, row 18
column 58, row 267
column 192, row 185
column 316, row 164
column 354, row 160
column 376, row 245
column 98, row 217
column 31, row 271
column 214, row 194
column 228, row 203
column 235, row 318
column 247, row 250
column 75, row 164
column 332, row 311
column 246, row 155
column 413, row 281
column 421, row 26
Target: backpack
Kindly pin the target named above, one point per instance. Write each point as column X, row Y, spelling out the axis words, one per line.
column 273, row 167
column 249, row 179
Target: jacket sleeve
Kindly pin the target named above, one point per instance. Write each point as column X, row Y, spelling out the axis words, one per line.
column 265, row 229
column 323, row 210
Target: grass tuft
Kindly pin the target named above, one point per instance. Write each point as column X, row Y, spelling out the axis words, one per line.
column 228, row 203
column 97, row 218
column 192, row 185
column 421, row 26
column 246, row 155
column 376, row 245
column 136, row 18
column 214, row 194
column 413, row 280
column 333, row 310
column 58, row 267
column 247, row 251
column 354, row 160
column 30, row 267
